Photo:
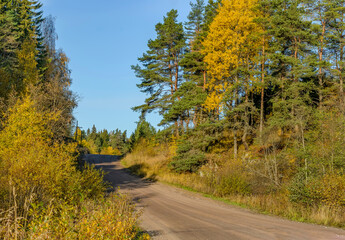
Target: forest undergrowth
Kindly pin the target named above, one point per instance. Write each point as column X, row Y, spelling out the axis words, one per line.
column 250, row 94
column 227, row 180
column 46, row 194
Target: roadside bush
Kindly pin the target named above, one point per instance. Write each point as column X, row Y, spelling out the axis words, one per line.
column 326, row 190
column 188, row 158
column 303, row 190
column 112, row 218
column 189, row 162
column 332, row 190
column 232, row 184
column 42, row 193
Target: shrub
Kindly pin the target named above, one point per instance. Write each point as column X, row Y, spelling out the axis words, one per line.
column 332, row 190
column 113, row 218
column 189, row 162
column 326, row 190
column 303, row 190
column 188, row 158
column 37, row 171
column 232, row 184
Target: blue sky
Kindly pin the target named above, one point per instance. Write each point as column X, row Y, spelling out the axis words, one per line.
column 103, row 39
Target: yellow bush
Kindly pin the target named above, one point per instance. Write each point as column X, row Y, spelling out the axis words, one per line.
column 34, row 169
column 30, row 160
column 110, row 151
column 114, row 219
column 332, row 190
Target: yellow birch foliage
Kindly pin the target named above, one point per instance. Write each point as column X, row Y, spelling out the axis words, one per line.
column 230, row 44
column 27, row 61
column 30, row 162
column 110, row 151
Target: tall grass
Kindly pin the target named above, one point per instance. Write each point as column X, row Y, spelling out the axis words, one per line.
column 228, row 183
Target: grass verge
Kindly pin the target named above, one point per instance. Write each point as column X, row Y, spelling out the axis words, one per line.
column 154, row 167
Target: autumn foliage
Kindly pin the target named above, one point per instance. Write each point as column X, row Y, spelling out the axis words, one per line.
column 46, row 191
column 258, row 113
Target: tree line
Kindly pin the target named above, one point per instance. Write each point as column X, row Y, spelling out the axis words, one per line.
column 113, row 142
column 262, row 80
column 31, row 64
column 46, row 192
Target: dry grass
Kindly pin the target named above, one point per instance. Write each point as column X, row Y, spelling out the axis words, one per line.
column 113, row 218
column 152, row 162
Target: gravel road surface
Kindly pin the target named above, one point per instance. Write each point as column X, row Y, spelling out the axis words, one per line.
column 172, row 213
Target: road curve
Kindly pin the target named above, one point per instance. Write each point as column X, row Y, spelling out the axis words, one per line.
column 171, row 213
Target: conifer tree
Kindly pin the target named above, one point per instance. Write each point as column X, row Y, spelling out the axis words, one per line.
column 289, row 68
column 160, row 74
column 192, row 62
column 8, row 46
column 336, row 26
column 318, row 10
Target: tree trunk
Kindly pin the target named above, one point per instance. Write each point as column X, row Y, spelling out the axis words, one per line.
column 262, row 89
column 177, row 129
column 320, row 61
column 235, row 144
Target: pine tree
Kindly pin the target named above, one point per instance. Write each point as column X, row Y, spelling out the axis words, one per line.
column 25, row 17
column 336, row 27
column 291, row 70
column 160, row 75
column 190, row 99
column 317, row 11
column 192, row 62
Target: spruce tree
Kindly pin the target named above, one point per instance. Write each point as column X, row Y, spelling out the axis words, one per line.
column 8, row 45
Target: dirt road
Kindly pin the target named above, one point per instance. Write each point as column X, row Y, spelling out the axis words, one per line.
column 171, row 213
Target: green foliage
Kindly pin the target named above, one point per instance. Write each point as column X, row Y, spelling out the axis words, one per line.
column 144, row 130
column 104, row 142
column 187, row 159
column 160, row 74
column 302, row 191
column 188, row 162
column 189, row 97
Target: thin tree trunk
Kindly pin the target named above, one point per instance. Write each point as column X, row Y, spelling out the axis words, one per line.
column 177, row 129
column 320, row 61
column 262, row 88
column 176, row 76
column 204, row 87
column 235, row 120
column 235, row 144
column 172, row 92
column 246, row 124
column 341, row 81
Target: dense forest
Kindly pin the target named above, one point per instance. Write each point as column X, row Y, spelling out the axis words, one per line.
column 251, row 99
column 45, row 190
column 104, row 142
